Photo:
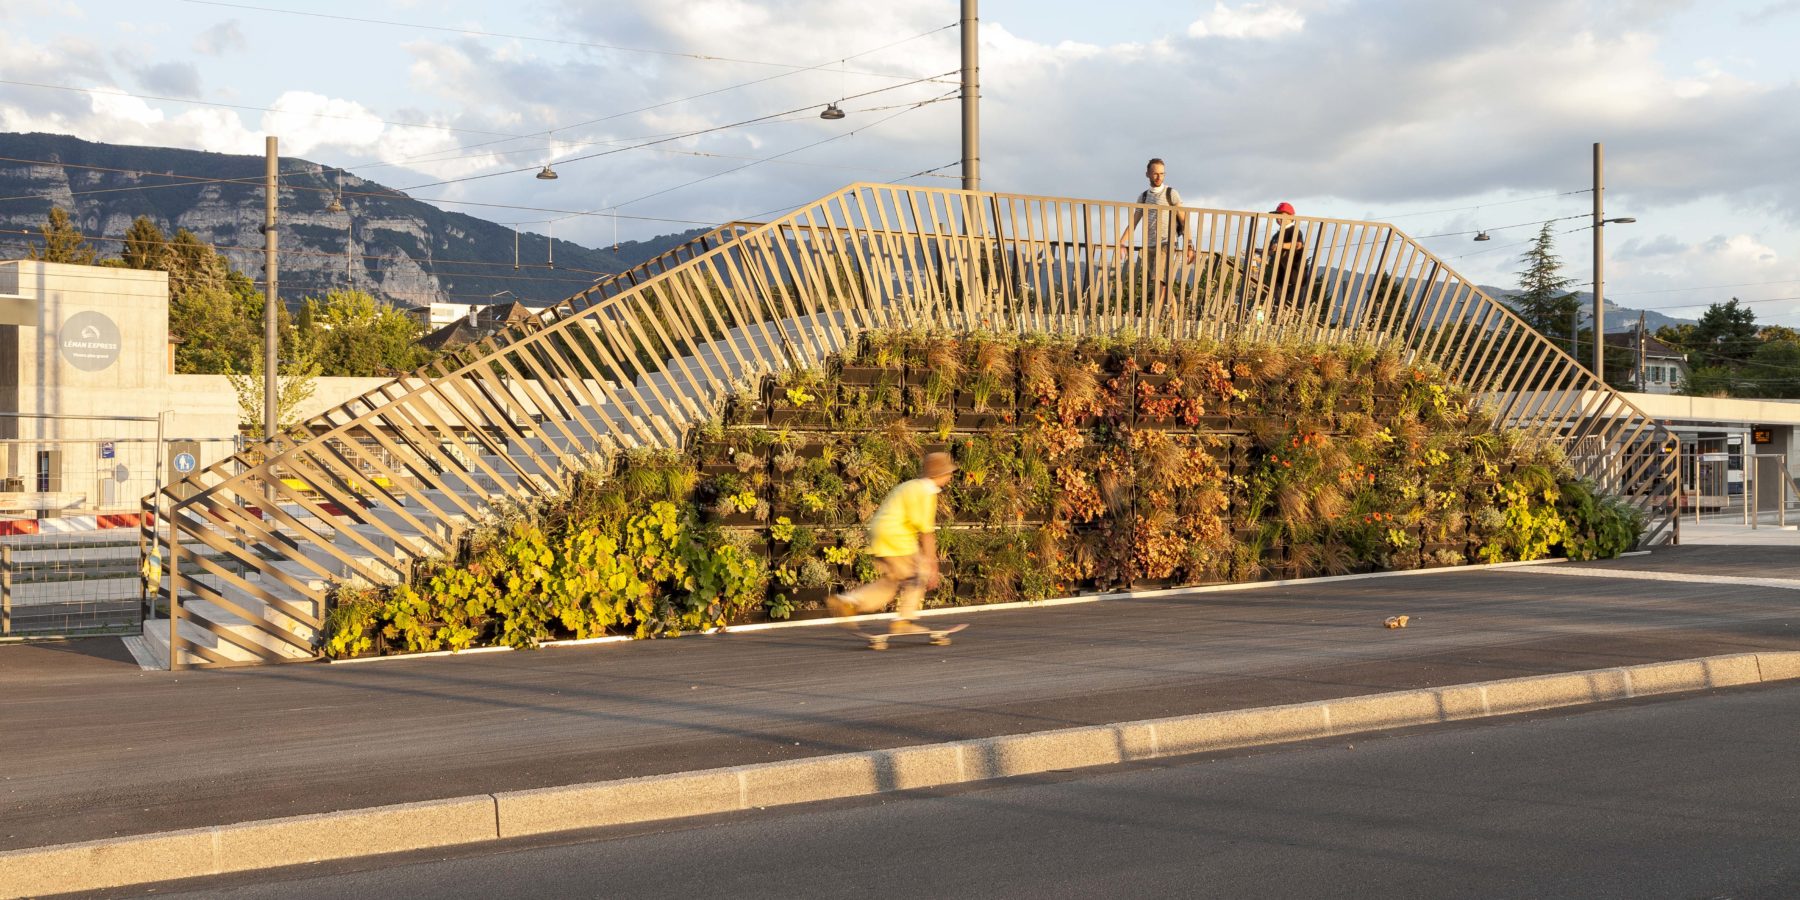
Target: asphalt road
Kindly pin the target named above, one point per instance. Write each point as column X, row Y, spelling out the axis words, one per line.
column 1689, row 797
column 91, row 748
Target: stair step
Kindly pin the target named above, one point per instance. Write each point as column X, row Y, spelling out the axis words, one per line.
column 156, row 641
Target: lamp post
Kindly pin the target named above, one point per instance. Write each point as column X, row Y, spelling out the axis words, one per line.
column 971, row 97
column 1600, row 223
column 271, row 278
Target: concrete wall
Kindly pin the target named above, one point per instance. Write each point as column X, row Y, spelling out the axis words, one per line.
column 84, row 360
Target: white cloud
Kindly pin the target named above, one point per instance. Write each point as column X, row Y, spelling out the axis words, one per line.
column 225, row 37
column 1255, row 21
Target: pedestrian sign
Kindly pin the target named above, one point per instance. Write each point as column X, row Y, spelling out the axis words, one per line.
column 184, row 462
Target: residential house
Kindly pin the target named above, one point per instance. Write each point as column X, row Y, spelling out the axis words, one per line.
column 1664, row 367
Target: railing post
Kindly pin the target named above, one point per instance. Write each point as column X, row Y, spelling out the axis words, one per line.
column 174, row 594
column 6, row 590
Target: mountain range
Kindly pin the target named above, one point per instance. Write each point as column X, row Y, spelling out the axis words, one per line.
column 1618, row 318
column 402, row 250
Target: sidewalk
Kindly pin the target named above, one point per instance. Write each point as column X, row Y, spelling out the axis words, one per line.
column 1766, row 534
column 99, row 751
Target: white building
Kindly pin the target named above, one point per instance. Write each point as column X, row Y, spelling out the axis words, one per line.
column 1664, row 367
column 92, row 415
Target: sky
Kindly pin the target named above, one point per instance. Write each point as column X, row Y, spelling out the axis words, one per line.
column 1442, row 116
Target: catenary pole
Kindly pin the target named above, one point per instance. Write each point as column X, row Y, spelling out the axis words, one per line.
column 971, row 97
column 1599, row 263
column 271, row 275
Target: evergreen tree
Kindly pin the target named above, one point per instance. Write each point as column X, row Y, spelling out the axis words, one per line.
column 1725, row 335
column 1544, row 300
column 194, row 266
column 1775, row 369
column 63, row 242
column 146, row 247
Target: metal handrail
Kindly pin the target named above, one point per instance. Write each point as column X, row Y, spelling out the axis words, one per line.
column 398, row 474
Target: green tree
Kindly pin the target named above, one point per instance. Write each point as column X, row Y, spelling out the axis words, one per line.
column 1681, row 337
column 1544, row 300
column 146, row 247
column 354, row 334
column 63, row 242
column 1774, row 369
column 1725, row 335
column 1778, row 333
column 1709, row 381
column 294, row 383
column 193, row 265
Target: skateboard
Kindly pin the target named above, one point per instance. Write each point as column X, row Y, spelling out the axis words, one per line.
column 878, row 640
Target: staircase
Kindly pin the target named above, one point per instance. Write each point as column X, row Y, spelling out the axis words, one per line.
column 402, row 473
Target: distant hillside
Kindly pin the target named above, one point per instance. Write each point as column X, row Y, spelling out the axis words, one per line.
column 1618, row 318
column 402, row 250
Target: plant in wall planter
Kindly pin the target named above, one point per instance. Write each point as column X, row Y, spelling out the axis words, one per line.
column 801, row 399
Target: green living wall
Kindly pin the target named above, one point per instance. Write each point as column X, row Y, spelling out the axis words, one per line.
column 1095, row 465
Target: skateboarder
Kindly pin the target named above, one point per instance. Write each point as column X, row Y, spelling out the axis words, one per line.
column 903, row 539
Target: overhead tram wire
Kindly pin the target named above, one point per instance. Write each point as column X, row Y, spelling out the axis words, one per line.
column 110, row 92
column 1433, row 212
column 651, row 143
column 697, row 133
column 777, row 156
column 704, row 57
column 806, row 116
column 656, row 106
column 785, row 209
column 35, row 237
column 201, row 181
column 500, row 136
column 1703, row 287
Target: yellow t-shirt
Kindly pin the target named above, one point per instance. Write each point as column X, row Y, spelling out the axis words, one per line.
column 909, row 510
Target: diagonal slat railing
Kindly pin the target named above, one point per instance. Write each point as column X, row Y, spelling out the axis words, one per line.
column 399, row 474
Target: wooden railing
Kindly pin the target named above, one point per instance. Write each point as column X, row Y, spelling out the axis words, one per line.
column 400, row 473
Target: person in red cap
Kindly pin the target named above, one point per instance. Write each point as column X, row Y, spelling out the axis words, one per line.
column 1285, row 268
column 903, row 540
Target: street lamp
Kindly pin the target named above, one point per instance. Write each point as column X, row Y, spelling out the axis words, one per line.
column 1600, row 223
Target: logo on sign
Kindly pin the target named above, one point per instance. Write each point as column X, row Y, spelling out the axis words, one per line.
column 184, row 463
column 106, row 449
column 89, row 341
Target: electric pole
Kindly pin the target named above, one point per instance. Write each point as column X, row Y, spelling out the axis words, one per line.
column 1640, row 351
column 1600, row 223
column 971, row 97
column 1599, row 263
column 271, row 275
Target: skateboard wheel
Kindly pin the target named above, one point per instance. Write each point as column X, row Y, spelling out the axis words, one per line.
column 878, row 645
column 940, row 641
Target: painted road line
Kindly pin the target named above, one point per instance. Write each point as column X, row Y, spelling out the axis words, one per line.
column 1786, row 584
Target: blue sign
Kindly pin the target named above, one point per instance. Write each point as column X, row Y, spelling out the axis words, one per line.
column 106, row 449
column 184, row 462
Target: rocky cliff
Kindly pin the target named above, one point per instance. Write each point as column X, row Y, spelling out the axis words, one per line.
column 402, row 250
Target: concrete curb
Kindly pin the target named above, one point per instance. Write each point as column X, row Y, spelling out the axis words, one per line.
column 247, row 846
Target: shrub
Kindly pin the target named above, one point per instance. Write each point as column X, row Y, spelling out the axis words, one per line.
column 1598, row 527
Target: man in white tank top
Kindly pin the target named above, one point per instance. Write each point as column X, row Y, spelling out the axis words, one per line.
column 1164, row 231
